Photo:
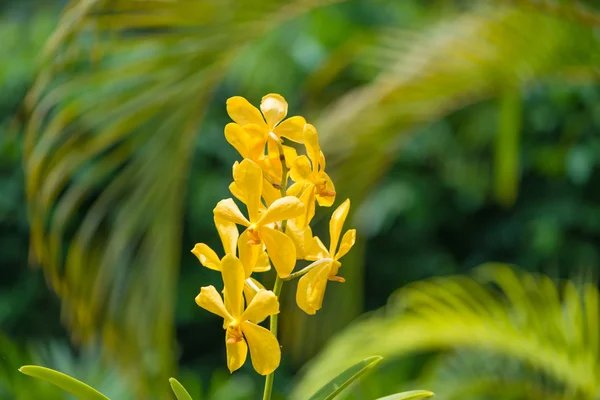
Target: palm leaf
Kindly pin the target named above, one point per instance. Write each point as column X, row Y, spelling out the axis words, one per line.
column 113, row 115
column 412, row 395
column 551, row 327
column 427, row 74
column 479, row 374
column 335, row 386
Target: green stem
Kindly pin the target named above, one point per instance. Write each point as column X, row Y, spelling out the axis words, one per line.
column 273, row 327
column 278, row 281
column 304, row 270
column 284, row 177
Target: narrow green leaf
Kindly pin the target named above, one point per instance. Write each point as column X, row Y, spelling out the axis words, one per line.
column 508, row 146
column 340, row 382
column 411, row 395
column 63, row 381
column 179, row 390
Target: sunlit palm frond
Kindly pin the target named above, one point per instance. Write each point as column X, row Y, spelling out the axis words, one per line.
column 113, row 115
column 423, row 75
column 86, row 365
column 583, row 11
column 481, row 375
column 429, row 73
column 551, row 327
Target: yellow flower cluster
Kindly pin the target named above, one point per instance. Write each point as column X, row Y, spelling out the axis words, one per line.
column 276, row 228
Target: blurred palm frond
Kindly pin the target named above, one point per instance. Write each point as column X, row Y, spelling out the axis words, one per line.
column 429, row 73
column 482, row 375
column 119, row 99
column 86, row 366
column 552, row 328
column 113, row 114
column 584, row 11
column 424, row 75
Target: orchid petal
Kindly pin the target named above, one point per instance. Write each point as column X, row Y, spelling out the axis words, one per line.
column 287, row 207
column 228, row 232
column 207, row 256
column 291, row 129
column 251, row 288
column 264, row 348
column 301, row 170
column 336, row 224
column 346, row 244
column 241, row 111
column 211, row 301
column 326, row 198
column 302, row 238
column 262, row 263
column 281, row 250
column 317, row 250
column 265, row 303
column 311, row 141
column 311, row 289
column 233, row 280
column 249, row 252
column 248, row 177
column 229, row 211
column 237, row 351
column 274, row 108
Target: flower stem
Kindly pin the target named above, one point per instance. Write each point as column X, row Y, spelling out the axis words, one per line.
column 304, row 270
column 284, row 178
column 273, row 327
column 278, row 281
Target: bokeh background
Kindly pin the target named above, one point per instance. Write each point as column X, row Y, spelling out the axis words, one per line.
column 464, row 132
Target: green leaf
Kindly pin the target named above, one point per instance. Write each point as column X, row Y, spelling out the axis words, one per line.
column 179, row 390
column 498, row 309
column 340, row 382
column 411, row 395
column 63, row 381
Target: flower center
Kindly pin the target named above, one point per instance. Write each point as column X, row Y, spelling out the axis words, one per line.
column 234, row 332
column 321, row 189
column 253, row 234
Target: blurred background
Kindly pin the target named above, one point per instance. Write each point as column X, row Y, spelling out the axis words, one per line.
column 464, row 132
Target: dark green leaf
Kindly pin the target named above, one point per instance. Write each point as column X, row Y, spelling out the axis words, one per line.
column 340, row 382
column 63, row 381
column 411, row 395
column 179, row 390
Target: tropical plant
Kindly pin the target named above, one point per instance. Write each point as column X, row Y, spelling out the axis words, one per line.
column 120, row 98
column 328, row 392
column 85, row 365
column 542, row 335
column 276, row 232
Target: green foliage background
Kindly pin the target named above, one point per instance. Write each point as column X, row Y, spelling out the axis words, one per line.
column 463, row 135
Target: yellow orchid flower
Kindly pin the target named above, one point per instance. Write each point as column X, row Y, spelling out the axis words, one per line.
column 261, row 222
column 272, row 166
column 311, row 287
column 228, row 232
column 312, row 182
column 242, row 331
column 267, row 126
column 270, row 118
column 250, row 143
column 269, row 192
column 302, row 238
